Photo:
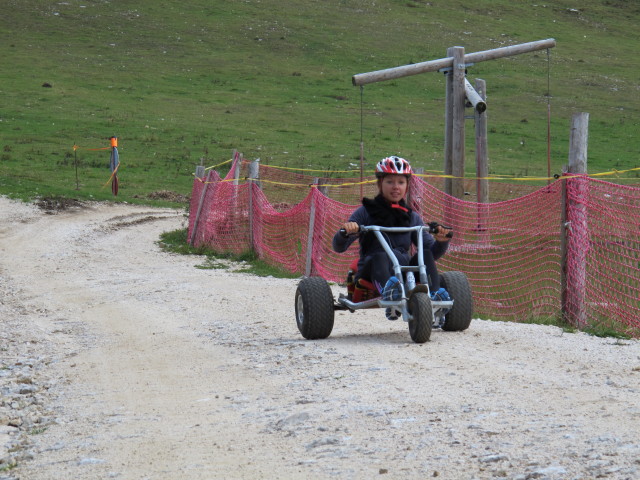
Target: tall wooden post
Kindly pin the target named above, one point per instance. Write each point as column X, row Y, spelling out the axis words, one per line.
column 459, row 101
column 482, row 153
column 575, row 228
column 448, row 127
column 482, row 165
column 454, row 124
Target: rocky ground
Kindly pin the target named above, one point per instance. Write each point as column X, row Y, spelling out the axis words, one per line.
column 120, row 361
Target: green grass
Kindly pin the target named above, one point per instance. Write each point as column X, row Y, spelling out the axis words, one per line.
column 7, row 467
column 176, row 242
column 606, row 328
column 184, row 84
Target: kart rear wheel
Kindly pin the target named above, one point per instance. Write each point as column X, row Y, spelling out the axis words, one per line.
column 314, row 308
column 422, row 312
column 459, row 317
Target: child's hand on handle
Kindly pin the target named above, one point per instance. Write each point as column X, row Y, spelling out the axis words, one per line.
column 443, row 234
column 440, row 232
column 350, row 228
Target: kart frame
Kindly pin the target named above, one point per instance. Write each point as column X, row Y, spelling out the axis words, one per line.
column 407, row 286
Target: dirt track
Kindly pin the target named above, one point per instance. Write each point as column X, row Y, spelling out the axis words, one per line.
column 139, row 365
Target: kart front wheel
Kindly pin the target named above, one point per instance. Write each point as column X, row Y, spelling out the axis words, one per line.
column 314, row 308
column 422, row 317
column 459, row 317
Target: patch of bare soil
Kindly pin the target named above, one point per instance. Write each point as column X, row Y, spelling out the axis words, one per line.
column 169, row 196
column 53, row 205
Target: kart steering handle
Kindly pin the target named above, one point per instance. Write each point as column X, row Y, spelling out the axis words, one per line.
column 431, row 229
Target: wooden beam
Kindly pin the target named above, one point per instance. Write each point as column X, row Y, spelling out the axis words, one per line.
column 474, row 97
column 435, row 65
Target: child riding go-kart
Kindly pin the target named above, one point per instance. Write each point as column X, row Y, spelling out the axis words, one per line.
column 388, row 231
column 315, row 306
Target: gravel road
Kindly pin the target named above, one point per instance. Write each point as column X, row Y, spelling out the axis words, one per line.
column 120, row 361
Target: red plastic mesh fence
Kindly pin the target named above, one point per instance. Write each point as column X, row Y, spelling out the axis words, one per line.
column 603, row 253
column 570, row 248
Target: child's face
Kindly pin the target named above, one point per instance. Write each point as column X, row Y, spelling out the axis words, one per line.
column 394, row 187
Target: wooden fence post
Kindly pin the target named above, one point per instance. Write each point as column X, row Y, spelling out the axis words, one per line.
column 236, row 172
column 575, row 228
column 448, row 127
column 411, row 199
column 312, row 223
column 459, row 101
column 312, row 226
column 252, row 178
column 203, row 194
column 235, row 195
column 482, row 153
column 482, row 164
column 454, row 124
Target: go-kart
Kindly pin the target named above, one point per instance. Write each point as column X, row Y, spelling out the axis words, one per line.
column 315, row 305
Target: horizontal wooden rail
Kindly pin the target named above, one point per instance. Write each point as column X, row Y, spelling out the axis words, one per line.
column 435, row 65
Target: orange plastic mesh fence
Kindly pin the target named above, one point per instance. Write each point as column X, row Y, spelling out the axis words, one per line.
column 570, row 248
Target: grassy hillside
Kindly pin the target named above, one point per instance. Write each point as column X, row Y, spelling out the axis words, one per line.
column 185, row 82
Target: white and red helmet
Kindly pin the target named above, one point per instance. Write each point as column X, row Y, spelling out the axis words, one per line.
column 393, row 165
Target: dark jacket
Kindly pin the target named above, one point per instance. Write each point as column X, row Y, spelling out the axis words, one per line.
column 400, row 242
